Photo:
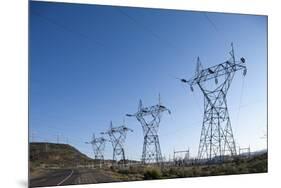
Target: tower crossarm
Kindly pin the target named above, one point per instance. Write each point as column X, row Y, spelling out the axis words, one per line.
column 217, row 71
column 147, row 111
column 118, row 129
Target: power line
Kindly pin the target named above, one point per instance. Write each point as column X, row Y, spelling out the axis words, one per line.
column 56, row 131
column 210, row 21
column 240, row 100
column 215, row 27
column 67, row 28
column 150, row 31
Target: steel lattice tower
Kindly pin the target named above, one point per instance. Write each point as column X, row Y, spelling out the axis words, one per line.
column 98, row 145
column 149, row 118
column 117, row 137
column 216, row 140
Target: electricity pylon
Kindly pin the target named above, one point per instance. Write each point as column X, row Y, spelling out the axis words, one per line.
column 216, row 138
column 98, row 145
column 117, row 137
column 149, row 118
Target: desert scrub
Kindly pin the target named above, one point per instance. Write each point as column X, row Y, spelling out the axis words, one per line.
column 123, row 171
column 152, row 173
column 258, row 166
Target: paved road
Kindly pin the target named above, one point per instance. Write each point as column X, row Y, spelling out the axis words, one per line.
column 72, row 177
column 89, row 176
column 58, row 177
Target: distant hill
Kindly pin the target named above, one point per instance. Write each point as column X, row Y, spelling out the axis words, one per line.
column 59, row 155
column 260, row 152
column 43, row 154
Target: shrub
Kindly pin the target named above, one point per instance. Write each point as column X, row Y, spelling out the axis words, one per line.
column 258, row 166
column 136, row 169
column 112, row 168
column 152, row 173
column 123, row 171
column 172, row 171
column 188, row 173
column 196, row 171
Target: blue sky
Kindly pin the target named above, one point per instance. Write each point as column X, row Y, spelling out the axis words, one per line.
column 90, row 64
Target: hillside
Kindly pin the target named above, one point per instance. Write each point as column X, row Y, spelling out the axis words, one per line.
column 55, row 155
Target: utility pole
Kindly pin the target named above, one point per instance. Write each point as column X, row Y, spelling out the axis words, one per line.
column 46, row 146
column 169, row 158
column 149, row 118
column 216, row 138
column 58, row 139
column 32, row 136
column 117, row 137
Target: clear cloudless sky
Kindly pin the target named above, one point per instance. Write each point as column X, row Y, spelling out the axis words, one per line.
column 90, row 64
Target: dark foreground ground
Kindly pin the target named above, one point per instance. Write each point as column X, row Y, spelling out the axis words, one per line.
column 73, row 176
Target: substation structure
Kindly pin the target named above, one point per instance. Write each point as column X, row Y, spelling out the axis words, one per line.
column 245, row 152
column 117, row 137
column 216, row 140
column 98, row 145
column 181, row 160
column 149, row 118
